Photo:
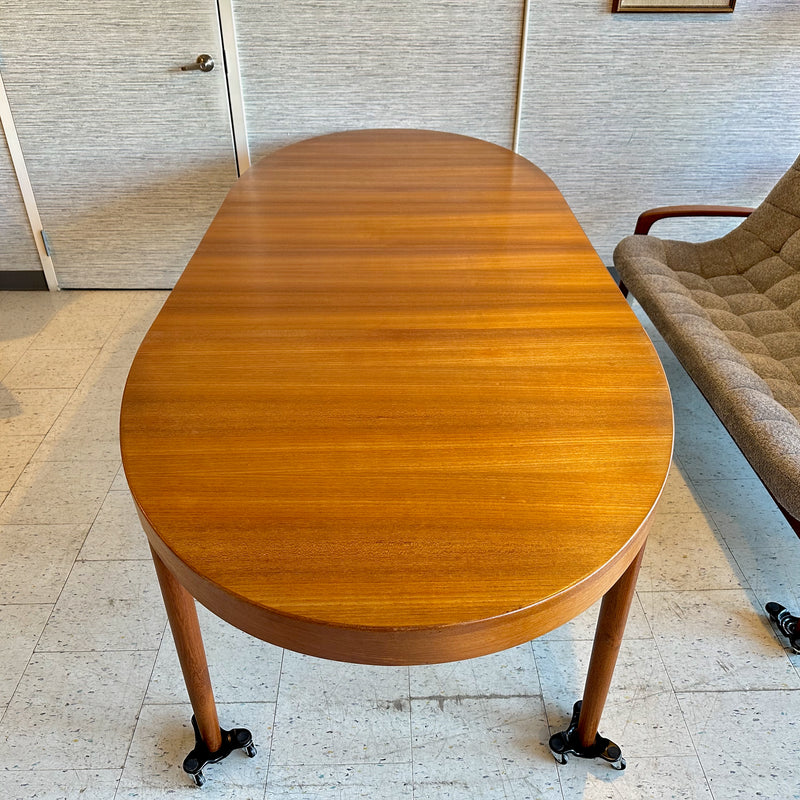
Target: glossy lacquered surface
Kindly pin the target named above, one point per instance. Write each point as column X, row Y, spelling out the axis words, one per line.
column 396, row 410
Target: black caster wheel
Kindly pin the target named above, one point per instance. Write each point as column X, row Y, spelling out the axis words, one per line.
column 787, row 623
column 235, row 739
column 566, row 744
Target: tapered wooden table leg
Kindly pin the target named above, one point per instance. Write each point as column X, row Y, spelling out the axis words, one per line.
column 212, row 743
column 182, row 615
column 582, row 738
column 607, row 640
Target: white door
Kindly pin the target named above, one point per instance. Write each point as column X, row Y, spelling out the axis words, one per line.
column 129, row 156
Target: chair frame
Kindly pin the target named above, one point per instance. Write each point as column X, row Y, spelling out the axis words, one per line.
column 787, row 623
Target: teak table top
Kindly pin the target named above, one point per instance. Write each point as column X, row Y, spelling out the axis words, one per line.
column 396, row 410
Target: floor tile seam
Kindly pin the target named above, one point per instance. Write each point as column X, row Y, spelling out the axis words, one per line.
column 5, row 374
column 696, row 751
column 73, row 386
column 60, row 770
column 99, row 506
column 687, row 591
column 143, row 560
column 38, row 639
column 461, row 697
column 757, row 607
column 30, row 460
column 24, row 603
column 271, row 752
column 661, row 513
column 69, row 651
column 96, row 560
column 138, row 715
column 120, row 322
column 35, row 651
column 55, row 420
column 588, row 640
column 411, row 736
column 42, row 524
column 67, row 348
column 749, row 690
column 726, row 552
column 697, row 496
column 671, row 683
column 686, row 473
column 544, row 707
column 116, row 317
column 652, row 636
column 30, row 657
column 772, row 626
column 92, row 424
column 743, row 588
column 218, row 702
column 88, row 527
column 328, row 764
column 36, row 461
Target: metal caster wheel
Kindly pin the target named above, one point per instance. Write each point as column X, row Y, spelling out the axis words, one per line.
column 235, row 739
column 566, row 744
column 787, row 623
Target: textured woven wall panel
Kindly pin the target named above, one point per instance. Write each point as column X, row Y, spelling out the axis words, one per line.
column 630, row 111
column 317, row 66
column 17, row 248
column 129, row 157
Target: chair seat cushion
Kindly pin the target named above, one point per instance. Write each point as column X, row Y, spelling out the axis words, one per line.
column 738, row 336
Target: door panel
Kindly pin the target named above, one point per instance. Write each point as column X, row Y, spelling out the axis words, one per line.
column 309, row 67
column 130, row 157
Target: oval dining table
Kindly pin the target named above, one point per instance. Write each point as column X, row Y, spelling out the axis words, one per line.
column 396, row 411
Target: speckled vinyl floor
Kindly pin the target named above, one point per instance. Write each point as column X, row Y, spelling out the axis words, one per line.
column 705, row 700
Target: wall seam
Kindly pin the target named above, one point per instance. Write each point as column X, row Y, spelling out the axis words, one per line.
column 523, row 55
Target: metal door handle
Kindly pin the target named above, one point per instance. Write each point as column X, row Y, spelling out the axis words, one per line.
column 204, row 63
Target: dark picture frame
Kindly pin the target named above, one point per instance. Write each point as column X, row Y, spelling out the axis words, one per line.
column 672, row 6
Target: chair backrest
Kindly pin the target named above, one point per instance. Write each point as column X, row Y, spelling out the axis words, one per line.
column 764, row 248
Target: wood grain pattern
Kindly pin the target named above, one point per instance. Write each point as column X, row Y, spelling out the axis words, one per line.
column 396, row 394
column 648, row 218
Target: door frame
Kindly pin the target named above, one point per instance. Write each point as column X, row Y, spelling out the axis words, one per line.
column 233, row 78
column 24, row 181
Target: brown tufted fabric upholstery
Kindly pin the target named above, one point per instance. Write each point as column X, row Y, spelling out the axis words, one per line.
column 730, row 310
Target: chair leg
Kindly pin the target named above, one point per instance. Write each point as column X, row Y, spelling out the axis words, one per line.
column 787, row 623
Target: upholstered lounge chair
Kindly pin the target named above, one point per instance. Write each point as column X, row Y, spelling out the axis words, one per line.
column 729, row 309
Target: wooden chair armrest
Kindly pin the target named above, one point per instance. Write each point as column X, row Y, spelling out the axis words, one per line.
column 648, row 218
